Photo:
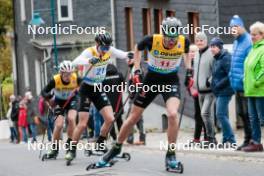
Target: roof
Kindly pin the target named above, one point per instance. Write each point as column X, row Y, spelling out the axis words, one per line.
column 63, row 41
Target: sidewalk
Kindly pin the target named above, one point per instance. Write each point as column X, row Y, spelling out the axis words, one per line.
column 153, row 125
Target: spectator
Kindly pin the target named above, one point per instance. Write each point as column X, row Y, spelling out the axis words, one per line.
column 13, row 131
column 241, row 47
column 254, row 85
column 22, row 121
column 222, row 89
column 46, row 115
column 31, row 115
column 14, row 114
column 203, row 64
column 199, row 125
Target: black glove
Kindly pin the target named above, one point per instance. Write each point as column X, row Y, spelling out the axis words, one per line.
column 94, row 61
column 130, row 55
column 188, row 76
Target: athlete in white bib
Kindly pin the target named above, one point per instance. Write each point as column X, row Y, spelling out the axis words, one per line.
column 94, row 61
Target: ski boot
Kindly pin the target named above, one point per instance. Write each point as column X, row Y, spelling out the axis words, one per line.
column 99, row 149
column 51, row 154
column 71, row 154
column 172, row 165
column 67, row 145
column 107, row 159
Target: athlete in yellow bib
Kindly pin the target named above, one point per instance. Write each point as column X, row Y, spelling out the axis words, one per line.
column 165, row 52
column 60, row 89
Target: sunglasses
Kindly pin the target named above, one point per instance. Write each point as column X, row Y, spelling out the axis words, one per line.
column 170, row 39
column 65, row 74
column 104, row 48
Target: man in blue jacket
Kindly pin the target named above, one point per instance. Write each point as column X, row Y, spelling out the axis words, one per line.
column 241, row 47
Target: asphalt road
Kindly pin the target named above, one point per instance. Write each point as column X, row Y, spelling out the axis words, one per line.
column 16, row 160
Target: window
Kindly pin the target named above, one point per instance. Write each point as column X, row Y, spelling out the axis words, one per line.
column 65, row 10
column 26, row 74
column 129, row 28
column 22, row 10
column 170, row 13
column 157, row 20
column 37, row 76
column 193, row 20
column 146, row 21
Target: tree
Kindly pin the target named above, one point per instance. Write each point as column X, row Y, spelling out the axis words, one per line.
column 6, row 20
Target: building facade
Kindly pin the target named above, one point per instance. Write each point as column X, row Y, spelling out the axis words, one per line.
column 128, row 21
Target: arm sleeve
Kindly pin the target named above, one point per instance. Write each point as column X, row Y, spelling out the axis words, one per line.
column 145, row 43
column 46, row 91
column 116, row 53
column 83, row 58
column 260, row 75
column 226, row 67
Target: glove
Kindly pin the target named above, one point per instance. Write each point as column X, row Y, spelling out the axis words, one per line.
column 94, row 61
column 137, row 77
column 188, row 76
column 130, row 55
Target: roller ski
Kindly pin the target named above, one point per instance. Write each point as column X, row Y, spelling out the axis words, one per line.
column 108, row 159
column 101, row 164
column 172, row 165
column 51, row 154
column 125, row 156
column 70, row 155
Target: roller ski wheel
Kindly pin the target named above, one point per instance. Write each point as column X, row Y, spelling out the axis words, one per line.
column 178, row 169
column 68, row 162
column 100, row 164
column 45, row 156
column 125, row 156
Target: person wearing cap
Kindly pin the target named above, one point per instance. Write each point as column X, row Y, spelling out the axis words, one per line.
column 165, row 53
column 31, row 113
column 203, row 65
column 222, row 89
column 254, row 85
column 241, row 47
